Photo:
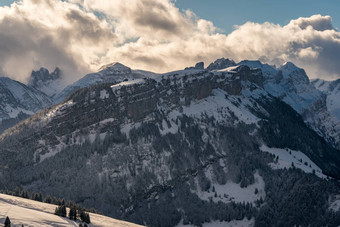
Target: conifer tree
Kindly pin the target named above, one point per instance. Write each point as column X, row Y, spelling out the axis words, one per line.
column 7, row 222
column 73, row 213
column 60, row 210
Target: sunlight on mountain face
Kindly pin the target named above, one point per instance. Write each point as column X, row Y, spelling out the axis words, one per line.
column 148, row 111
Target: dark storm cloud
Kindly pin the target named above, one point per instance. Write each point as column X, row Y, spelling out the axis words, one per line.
column 85, row 27
column 155, row 15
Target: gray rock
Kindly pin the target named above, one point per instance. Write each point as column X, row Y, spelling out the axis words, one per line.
column 221, row 63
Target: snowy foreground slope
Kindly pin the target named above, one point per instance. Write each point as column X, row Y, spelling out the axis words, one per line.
column 33, row 213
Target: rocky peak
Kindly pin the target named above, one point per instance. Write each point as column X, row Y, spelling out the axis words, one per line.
column 294, row 73
column 251, row 63
column 221, row 63
column 115, row 68
column 43, row 75
column 199, row 65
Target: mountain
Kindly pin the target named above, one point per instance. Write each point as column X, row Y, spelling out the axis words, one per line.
column 291, row 84
column 33, row 213
column 221, row 63
column 18, row 101
column 114, row 73
column 189, row 147
column 46, row 82
column 332, row 90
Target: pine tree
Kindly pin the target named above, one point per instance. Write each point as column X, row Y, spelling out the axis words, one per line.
column 63, row 211
column 60, row 211
column 17, row 191
column 48, row 199
column 73, row 213
column 84, row 216
column 7, row 222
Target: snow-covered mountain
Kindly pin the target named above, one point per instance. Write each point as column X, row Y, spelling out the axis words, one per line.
column 18, row 101
column 291, row 84
column 221, row 63
column 46, row 82
column 189, row 147
column 114, row 73
column 332, row 90
column 33, row 213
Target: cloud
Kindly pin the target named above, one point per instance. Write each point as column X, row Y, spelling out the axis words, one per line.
column 50, row 33
column 312, row 43
column 81, row 35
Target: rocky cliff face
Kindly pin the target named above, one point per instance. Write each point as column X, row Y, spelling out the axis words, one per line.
column 221, row 63
column 332, row 91
column 113, row 73
column 46, row 82
column 291, row 84
column 187, row 147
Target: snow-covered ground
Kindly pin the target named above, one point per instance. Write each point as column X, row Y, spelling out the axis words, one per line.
column 234, row 192
column 288, row 156
column 334, row 203
column 332, row 89
column 236, row 223
column 33, row 213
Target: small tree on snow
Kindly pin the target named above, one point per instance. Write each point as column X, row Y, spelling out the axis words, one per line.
column 7, row 222
column 73, row 213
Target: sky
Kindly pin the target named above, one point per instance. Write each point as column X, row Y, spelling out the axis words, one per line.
column 79, row 36
column 226, row 13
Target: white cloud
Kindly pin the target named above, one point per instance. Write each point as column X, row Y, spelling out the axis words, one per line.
column 311, row 43
column 81, row 35
column 50, row 33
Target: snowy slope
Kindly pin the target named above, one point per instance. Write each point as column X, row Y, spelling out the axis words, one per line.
column 46, row 82
column 33, row 213
column 18, row 101
column 115, row 72
column 287, row 157
column 181, row 146
column 237, row 223
column 332, row 89
column 291, row 84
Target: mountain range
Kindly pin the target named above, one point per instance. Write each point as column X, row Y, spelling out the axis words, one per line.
column 246, row 142
column 315, row 100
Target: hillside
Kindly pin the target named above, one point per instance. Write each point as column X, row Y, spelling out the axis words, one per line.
column 33, row 213
column 188, row 147
column 18, row 101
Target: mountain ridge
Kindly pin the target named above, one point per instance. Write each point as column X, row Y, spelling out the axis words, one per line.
column 18, row 101
column 149, row 147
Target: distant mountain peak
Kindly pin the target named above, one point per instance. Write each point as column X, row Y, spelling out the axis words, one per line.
column 251, row 63
column 46, row 82
column 221, row 63
column 289, row 66
column 116, row 67
column 198, row 65
column 43, row 75
column 295, row 73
